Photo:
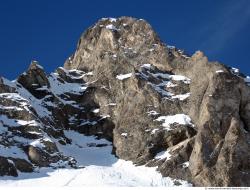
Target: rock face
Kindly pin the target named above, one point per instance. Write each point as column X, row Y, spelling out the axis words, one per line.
column 159, row 106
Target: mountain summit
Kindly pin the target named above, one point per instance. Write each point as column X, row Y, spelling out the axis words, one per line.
column 145, row 101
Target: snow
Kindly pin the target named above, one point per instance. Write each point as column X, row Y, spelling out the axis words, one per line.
column 38, row 66
column 162, row 75
column 173, row 77
column 60, row 88
column 96, row 111
column 10, row 161
column 160, row 90
column 10, row 108
column 124, row 76
column 12, row 151
column 105, row 116
column 4, row 120
column 152, row 112
column 170, row 85
column 87, row 122
column 185, row 164
column 170, row 47
column 37, row 143
column 34, row 132
column 247, row 79
column 111, row 27
column 154, row 131
column 235, row 70
column 219, row 71
column 85, row 154
column 8, row 83
column 111, row 104
column 181, row 119
column 112, row 19
column 30, row 123
column 147, row 66
column 163, row 155
column 181, row 96
column 15, row 97
column 37, row 104
column 101, row 169
column 180, row 78
column 124, row 134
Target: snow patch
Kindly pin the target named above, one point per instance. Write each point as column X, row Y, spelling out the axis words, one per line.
column 12, row 151
column 8, row 83
column 124, row 134
column 152, row 112
column 185, row 164
column 111, row 104
column 147, row 66
column 247, row 79
column 60, row 88
column 181, row 119
column 220, row 71
column 111, row 27
column 96, row 111
column 112, row 19
column 235, row 70
column 163, row 155
column 154, row 131
column 180, row 78
column 124, row 76
column 181, row 96
column 170, row 85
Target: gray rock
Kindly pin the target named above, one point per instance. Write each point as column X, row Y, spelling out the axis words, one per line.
column 7, row 167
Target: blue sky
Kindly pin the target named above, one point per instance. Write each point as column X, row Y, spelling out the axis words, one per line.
column 48, row 30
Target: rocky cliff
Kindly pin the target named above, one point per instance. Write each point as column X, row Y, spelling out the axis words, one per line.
column 157, row 105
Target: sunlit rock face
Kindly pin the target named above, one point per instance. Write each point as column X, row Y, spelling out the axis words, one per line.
column 155, row 104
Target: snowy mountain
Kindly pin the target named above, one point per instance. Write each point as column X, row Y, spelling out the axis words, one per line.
column 126, row 110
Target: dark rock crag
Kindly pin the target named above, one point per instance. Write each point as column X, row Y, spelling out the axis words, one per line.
column 158, row 105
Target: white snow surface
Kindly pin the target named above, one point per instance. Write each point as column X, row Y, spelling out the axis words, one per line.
column 12, row 151
column 97, row 110
column 148, row 66
column 111, row 27
column 171, row 119
column 180, row 78
column 124, row 134
column 181, row 96
column 59, row 88
column 235, row 70
column 124, row 76
column 101, row 168
column 163, row 155
column 219, row 71
column 247, row 79
column 152, row 112
column 185, row 164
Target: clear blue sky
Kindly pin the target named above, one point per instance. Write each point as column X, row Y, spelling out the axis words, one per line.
column 48, row 30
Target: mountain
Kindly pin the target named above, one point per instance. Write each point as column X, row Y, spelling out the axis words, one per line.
column 125, row 95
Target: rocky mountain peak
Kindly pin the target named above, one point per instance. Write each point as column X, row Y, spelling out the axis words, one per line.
column 156, row 106
column 118, row 39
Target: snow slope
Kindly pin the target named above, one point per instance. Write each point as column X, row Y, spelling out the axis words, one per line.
column 101, row 168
